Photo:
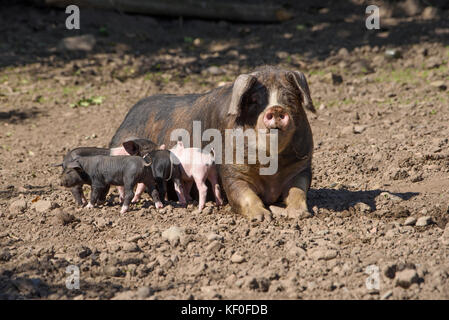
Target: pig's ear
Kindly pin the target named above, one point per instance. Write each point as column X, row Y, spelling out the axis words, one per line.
column 162, row 147
column 131, row 147
column 300, row 80
column 241, row 85
column 74, row 165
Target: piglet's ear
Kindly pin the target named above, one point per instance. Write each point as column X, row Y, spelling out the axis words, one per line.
column 241, row 85
column 131, row 147
column 73, row 165
column 162, row 147
column 300, row 80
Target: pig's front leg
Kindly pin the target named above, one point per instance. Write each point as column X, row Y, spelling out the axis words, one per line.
column 244, row 200
column 102, row 196
column 139, row 190
column 295, row 195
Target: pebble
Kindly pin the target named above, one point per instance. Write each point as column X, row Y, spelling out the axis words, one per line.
column 213, row 236
column 85, row 42
column 359, row 129
column 424, row 221
column 440, row 84
column 144, row 292
column 324, row 254
column 410, row 221
column 406, row 277
column 18, row 206
column 333, row 78
column 130, row 247
column 64, row 218
column 386, row 295
column 236, row 258
column 83, row 252
column 215, row 71
column 112, row 271
column 42, row 206
column 173, row 235
column 214, row 246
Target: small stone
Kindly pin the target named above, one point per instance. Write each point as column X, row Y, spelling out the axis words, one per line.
column 112, row 271
column 439, row 84
column 197, row 42
column 207, row 210
column 134, row 238
column 410, row 221
column 78, row 43
column 84, row 252
column 343, row 52
column 214, row 246
column 324, row 254
column 130, row 247
column 126, row 295
column 64, row 218
column 42, row 206
column 173, row 235
column 213, row 236
column 18, row 206
column 430, row 13
column 424, row 221
column 359, row 129
column 101, row 222
column 144, row 292
column 236, row 258
column 215, row 71
column 333, row 78
column 406, row 277
column 386, row 295
column 393, row 53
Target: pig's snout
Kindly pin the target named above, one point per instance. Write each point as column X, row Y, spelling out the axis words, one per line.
column 276, row 118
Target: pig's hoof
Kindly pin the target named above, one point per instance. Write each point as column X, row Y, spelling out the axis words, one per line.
column 135, row 199
column 158, row 205
column 124, row 209
column 298, row 213
column 89, row 206
column 260, row 215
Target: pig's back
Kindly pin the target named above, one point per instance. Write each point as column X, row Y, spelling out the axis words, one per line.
column 142, row 119
column 83, row 152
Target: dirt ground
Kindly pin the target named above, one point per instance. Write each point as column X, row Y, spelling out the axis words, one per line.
column 381, row 157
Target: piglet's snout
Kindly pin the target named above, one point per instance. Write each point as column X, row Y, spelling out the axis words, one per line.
column 276, row 118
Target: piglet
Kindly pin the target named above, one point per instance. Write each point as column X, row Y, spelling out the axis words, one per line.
column 166, row 168
column 74, row 179
column 126, row 171
column 198, row 166
column 133, row 147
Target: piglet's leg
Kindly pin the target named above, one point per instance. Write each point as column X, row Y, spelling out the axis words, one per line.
column 121, row 193
column 179, row 191
column 212, row 177
column 151, row 185
column 94, row 195
column 119, row 151
column 187, row 185
column 202, row 190
column 77, row 192
column 129, row 194
column 139, row 190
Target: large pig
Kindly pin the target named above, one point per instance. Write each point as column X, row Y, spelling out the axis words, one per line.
column 269, row 98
